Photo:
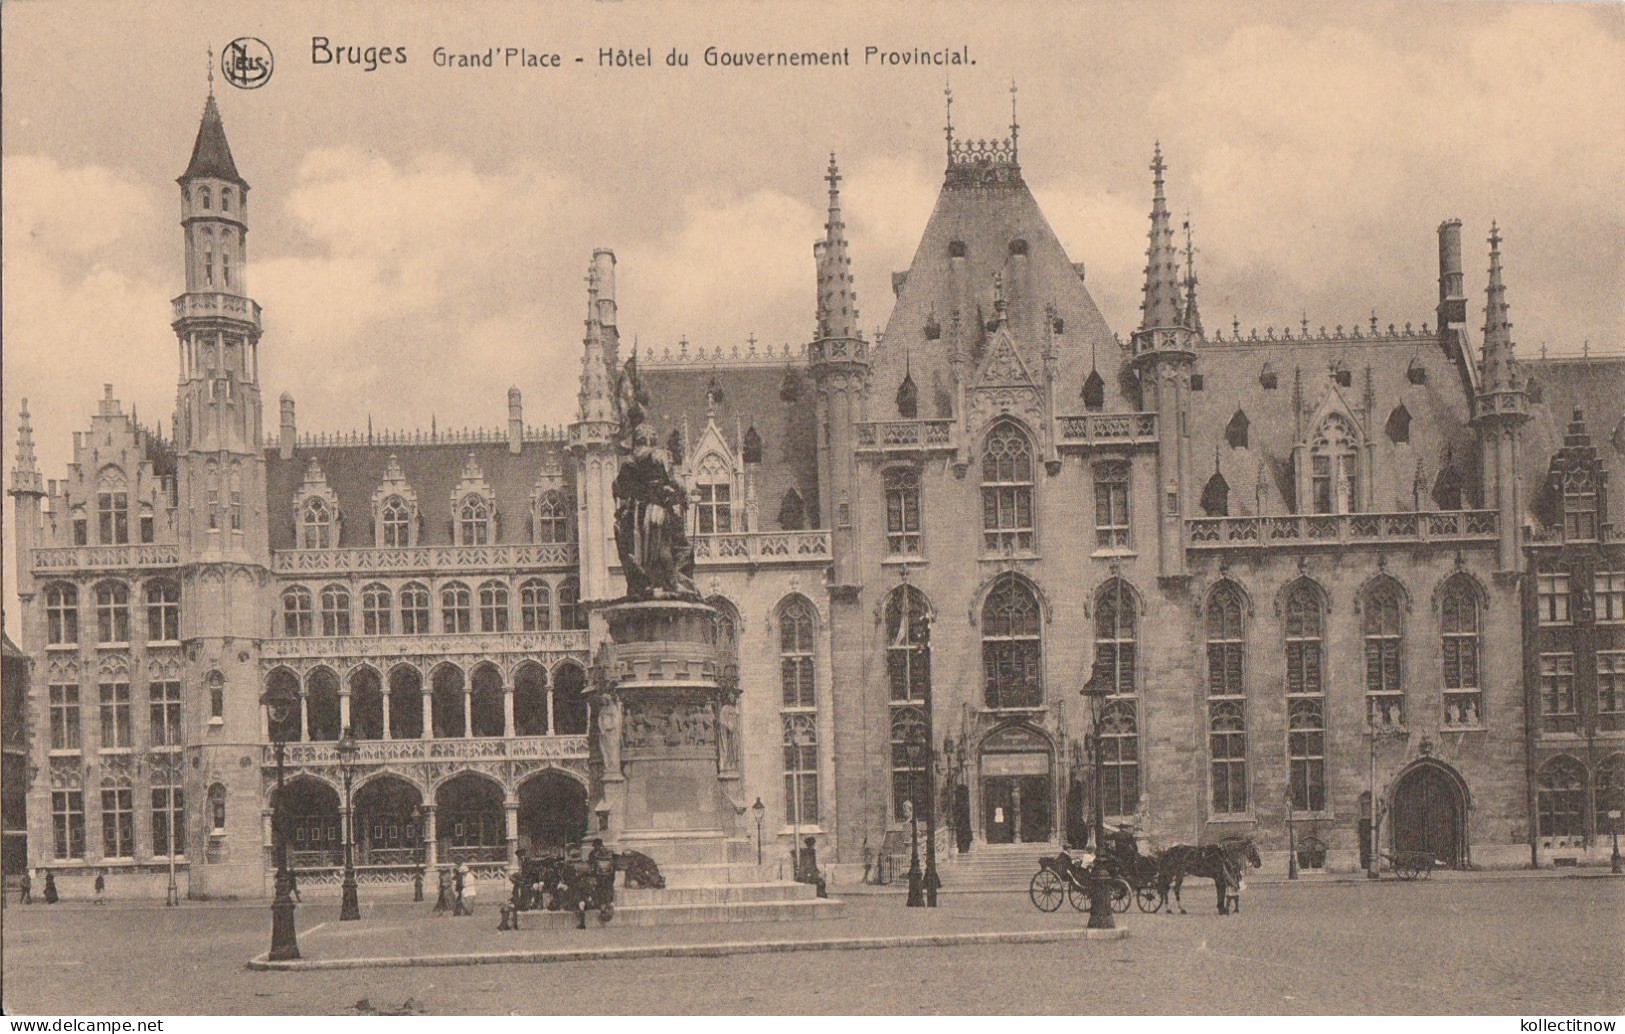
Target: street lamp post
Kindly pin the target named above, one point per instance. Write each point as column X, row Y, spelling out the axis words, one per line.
column 1291, row 837
column 758, row 809
column 1100, row 900
column 279, row 704
column 916, row 879
column 933, row 882
column 1614, row 862
column 172, row 896
column 798, row 740
column 348, row 749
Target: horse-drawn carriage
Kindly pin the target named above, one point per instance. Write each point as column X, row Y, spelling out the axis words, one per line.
column 1141, row 878
column 1412, row 865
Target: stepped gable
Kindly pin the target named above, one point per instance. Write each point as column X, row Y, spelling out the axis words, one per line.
column 1595, row 385
column 432, row 471
column 1230, row 368
column 751, row 397
column 986, row 206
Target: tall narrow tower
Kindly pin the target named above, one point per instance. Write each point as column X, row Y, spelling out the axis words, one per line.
column 1164, row 354
column 220, row 483
column 592, row 436
column 838, row 362
column 1500, row 410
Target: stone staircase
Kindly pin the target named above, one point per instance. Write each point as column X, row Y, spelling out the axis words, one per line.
column 736, row 902
column 990, row 868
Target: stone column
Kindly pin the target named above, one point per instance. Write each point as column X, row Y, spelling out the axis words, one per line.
column 507, row 707
column 511, row 810
column 344, row 709
column 468, row 710
column 431, row 847
column 428, row 713
column 385, row 696
column 304, row 715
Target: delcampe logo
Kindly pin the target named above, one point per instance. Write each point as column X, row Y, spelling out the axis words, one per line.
column 246, row 62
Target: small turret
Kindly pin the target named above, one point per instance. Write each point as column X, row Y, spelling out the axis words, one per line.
column 25, row 476
column 596, row 397
column 837, row 298
column 1500, row 410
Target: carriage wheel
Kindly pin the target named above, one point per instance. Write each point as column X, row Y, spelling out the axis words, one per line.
column 1077, row 894
column 1046, row 891
column 1406, row 870
column 1147, row 898
column 1122, row 895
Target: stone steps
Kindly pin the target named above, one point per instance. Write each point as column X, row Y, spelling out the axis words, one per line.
column 695, row 913
column 716, row 894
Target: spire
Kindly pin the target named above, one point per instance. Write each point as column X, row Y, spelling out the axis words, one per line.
column 1014, row 154
column 25, row 477
column 597, row 402
column 837, row 301
column 1193, row 318
column 211, row 154
column 1499, row 372
column 1161, row 305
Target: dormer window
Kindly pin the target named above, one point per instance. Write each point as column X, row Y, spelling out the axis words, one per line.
column 474, row 521
column 316, row 525
column 552, row 517
column 713, row 483
column 1334, row 473
column 395, row 522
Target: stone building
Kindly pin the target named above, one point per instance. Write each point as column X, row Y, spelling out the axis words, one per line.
column 1297, row 559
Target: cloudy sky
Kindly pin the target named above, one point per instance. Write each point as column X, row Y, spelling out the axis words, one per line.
column 419, row 234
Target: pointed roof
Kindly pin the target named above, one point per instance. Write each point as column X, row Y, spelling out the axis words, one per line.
column 1193, row 317
column 597, row 394
column 1498, row 372
column 1161, row 306
column 211, row 154
column 837, row 299
column 25, row 477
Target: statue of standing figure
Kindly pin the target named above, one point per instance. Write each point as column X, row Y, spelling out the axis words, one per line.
column 651, row 507
column 609, row 735
column 728, row 736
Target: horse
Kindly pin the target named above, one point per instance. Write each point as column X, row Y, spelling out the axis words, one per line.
column 1223, row 863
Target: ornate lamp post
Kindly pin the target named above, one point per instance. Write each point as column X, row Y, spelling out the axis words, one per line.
column 758, row 809
column 279, row 704
column 1614, row 861
column 1291, row 838
column 798, row 740
column 348, row 750
column 933, row 882
column 1100, row 896
column 916, row 878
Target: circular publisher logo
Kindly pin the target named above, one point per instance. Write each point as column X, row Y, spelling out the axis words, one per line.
column 246, row 63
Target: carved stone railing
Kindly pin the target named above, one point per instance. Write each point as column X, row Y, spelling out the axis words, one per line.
column 883, row 436
column 437, row 645
column 763, row 547
column 68, row 558
column 232, row 306
column 1093, row 430
column 477, row 748
column 1346, row 529
column 423, row 559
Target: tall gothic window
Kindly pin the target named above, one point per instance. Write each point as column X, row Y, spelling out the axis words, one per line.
column 117, row 730
column 1458, row 626
column 903, row 511
column 1227, row 698
column 1382, row 624
column 118, row 822
column 68, row 824
column 1306, row 701
column 714, row 486
column 376, row 609
column 1115, row 653
column 800, row 769
column 908, row 668
column 535, row 606
column 61, row 614
column 1560, row 798
column 395, row 522
column 572, row 615
column 1120, row 758
column 335, row 610
column 456, row 608
column 1608, row 594
column 297, row 608
column 493, row 607
column 474, row 521
column 797, row 625
column 164, row 712
column 552, row 517
column 1111, row 504
column 163, row 612
column 1007, row 490
column 64, row 703
column 1012, row 645
column 1335, row 468
column 112, row 613
column 908, row 776
column 1557, row 703
column 316, row 525
column 414, row 609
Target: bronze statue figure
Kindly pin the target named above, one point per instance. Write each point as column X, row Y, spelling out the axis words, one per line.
column 651, row 507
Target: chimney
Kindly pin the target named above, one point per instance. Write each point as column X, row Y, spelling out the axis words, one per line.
column 1452, row 293
column 516, row 419
column 603, row 263
column 289, row 431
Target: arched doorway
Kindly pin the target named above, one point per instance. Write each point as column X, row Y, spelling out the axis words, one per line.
column 1430, row 813
column 552, row 812
column 387, row 822
column 469, row 820
column 1018, row 787
column 313, row 825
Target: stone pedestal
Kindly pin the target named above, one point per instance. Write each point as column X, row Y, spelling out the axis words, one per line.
column 667, row 731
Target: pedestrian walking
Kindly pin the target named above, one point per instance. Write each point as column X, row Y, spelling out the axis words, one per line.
column 25, row 894
column 602, row 861
column 50, row 887
column 101, row 887
column 442, row 904
column 417, row 884
column 293, row 885
column 461, row 885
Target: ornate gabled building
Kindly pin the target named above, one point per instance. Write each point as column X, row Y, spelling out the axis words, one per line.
column 1325, row 577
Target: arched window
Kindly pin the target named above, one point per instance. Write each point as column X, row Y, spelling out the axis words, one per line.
column 61, row 614
column 395, row 522
column 1458, row 624
column 1226, row 694
column 297, row 610
column 322, row 704
column 796, row 624
column 376, row 608
column 217, row 695
column 1382, row 625
column 1306, row 703
column 1112, row 530
column 1094, row 392
column 1115, row 653
column 225, row 264
column 1007, row 490
column 414, row 609
column 1334, row 473
column 1120, row 759
column 535, row 606
column 800, row 769
column 569, row 700
column 163, row 612
column 530, row 700
column 474, row 521
column 1608, row 792
column 217, row 808
column 112, row 613
column 552, row 517
column 456, row 608
column 572, row 615
column 908, row 646
column 316, row 525
column 1579, row 504
column 206, row 198
column 1561, row 798
column 493, row 607
column 903, row 511
column 225, row 199
column 1216, row 496
column 714, row 485
column 909, row 781
column 1012, row 647
column 335, row 610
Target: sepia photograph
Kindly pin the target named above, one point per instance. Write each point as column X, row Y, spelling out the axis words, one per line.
column 813, row 509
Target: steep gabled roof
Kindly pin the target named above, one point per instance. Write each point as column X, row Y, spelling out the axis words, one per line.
column 211, row 154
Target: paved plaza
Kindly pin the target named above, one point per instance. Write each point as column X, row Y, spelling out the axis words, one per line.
column 1487, row 944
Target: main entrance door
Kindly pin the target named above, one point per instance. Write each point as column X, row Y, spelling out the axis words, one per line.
column 1017, row 808
column 1428, row 813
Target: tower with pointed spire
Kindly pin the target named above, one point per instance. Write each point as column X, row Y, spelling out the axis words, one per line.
column 27, row 497
column 592, row 435
column 1164, row 356
column 838, row 362
column 1500, row 409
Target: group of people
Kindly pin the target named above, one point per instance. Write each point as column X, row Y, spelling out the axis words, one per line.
column 25, row 888
column 457, row 892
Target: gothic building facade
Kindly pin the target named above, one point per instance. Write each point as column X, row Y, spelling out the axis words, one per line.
column 1316, row 573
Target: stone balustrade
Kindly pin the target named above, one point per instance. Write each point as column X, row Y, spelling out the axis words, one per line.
column 69, row 558
column 762, row 547
column 1092, row 430
column 425, row 559
column 883, row 436
column 460, row 644
column 229, row 306
column 477, row 748
column 1343, row 529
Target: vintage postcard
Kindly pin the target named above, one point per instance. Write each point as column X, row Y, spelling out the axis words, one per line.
column 627, row 508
